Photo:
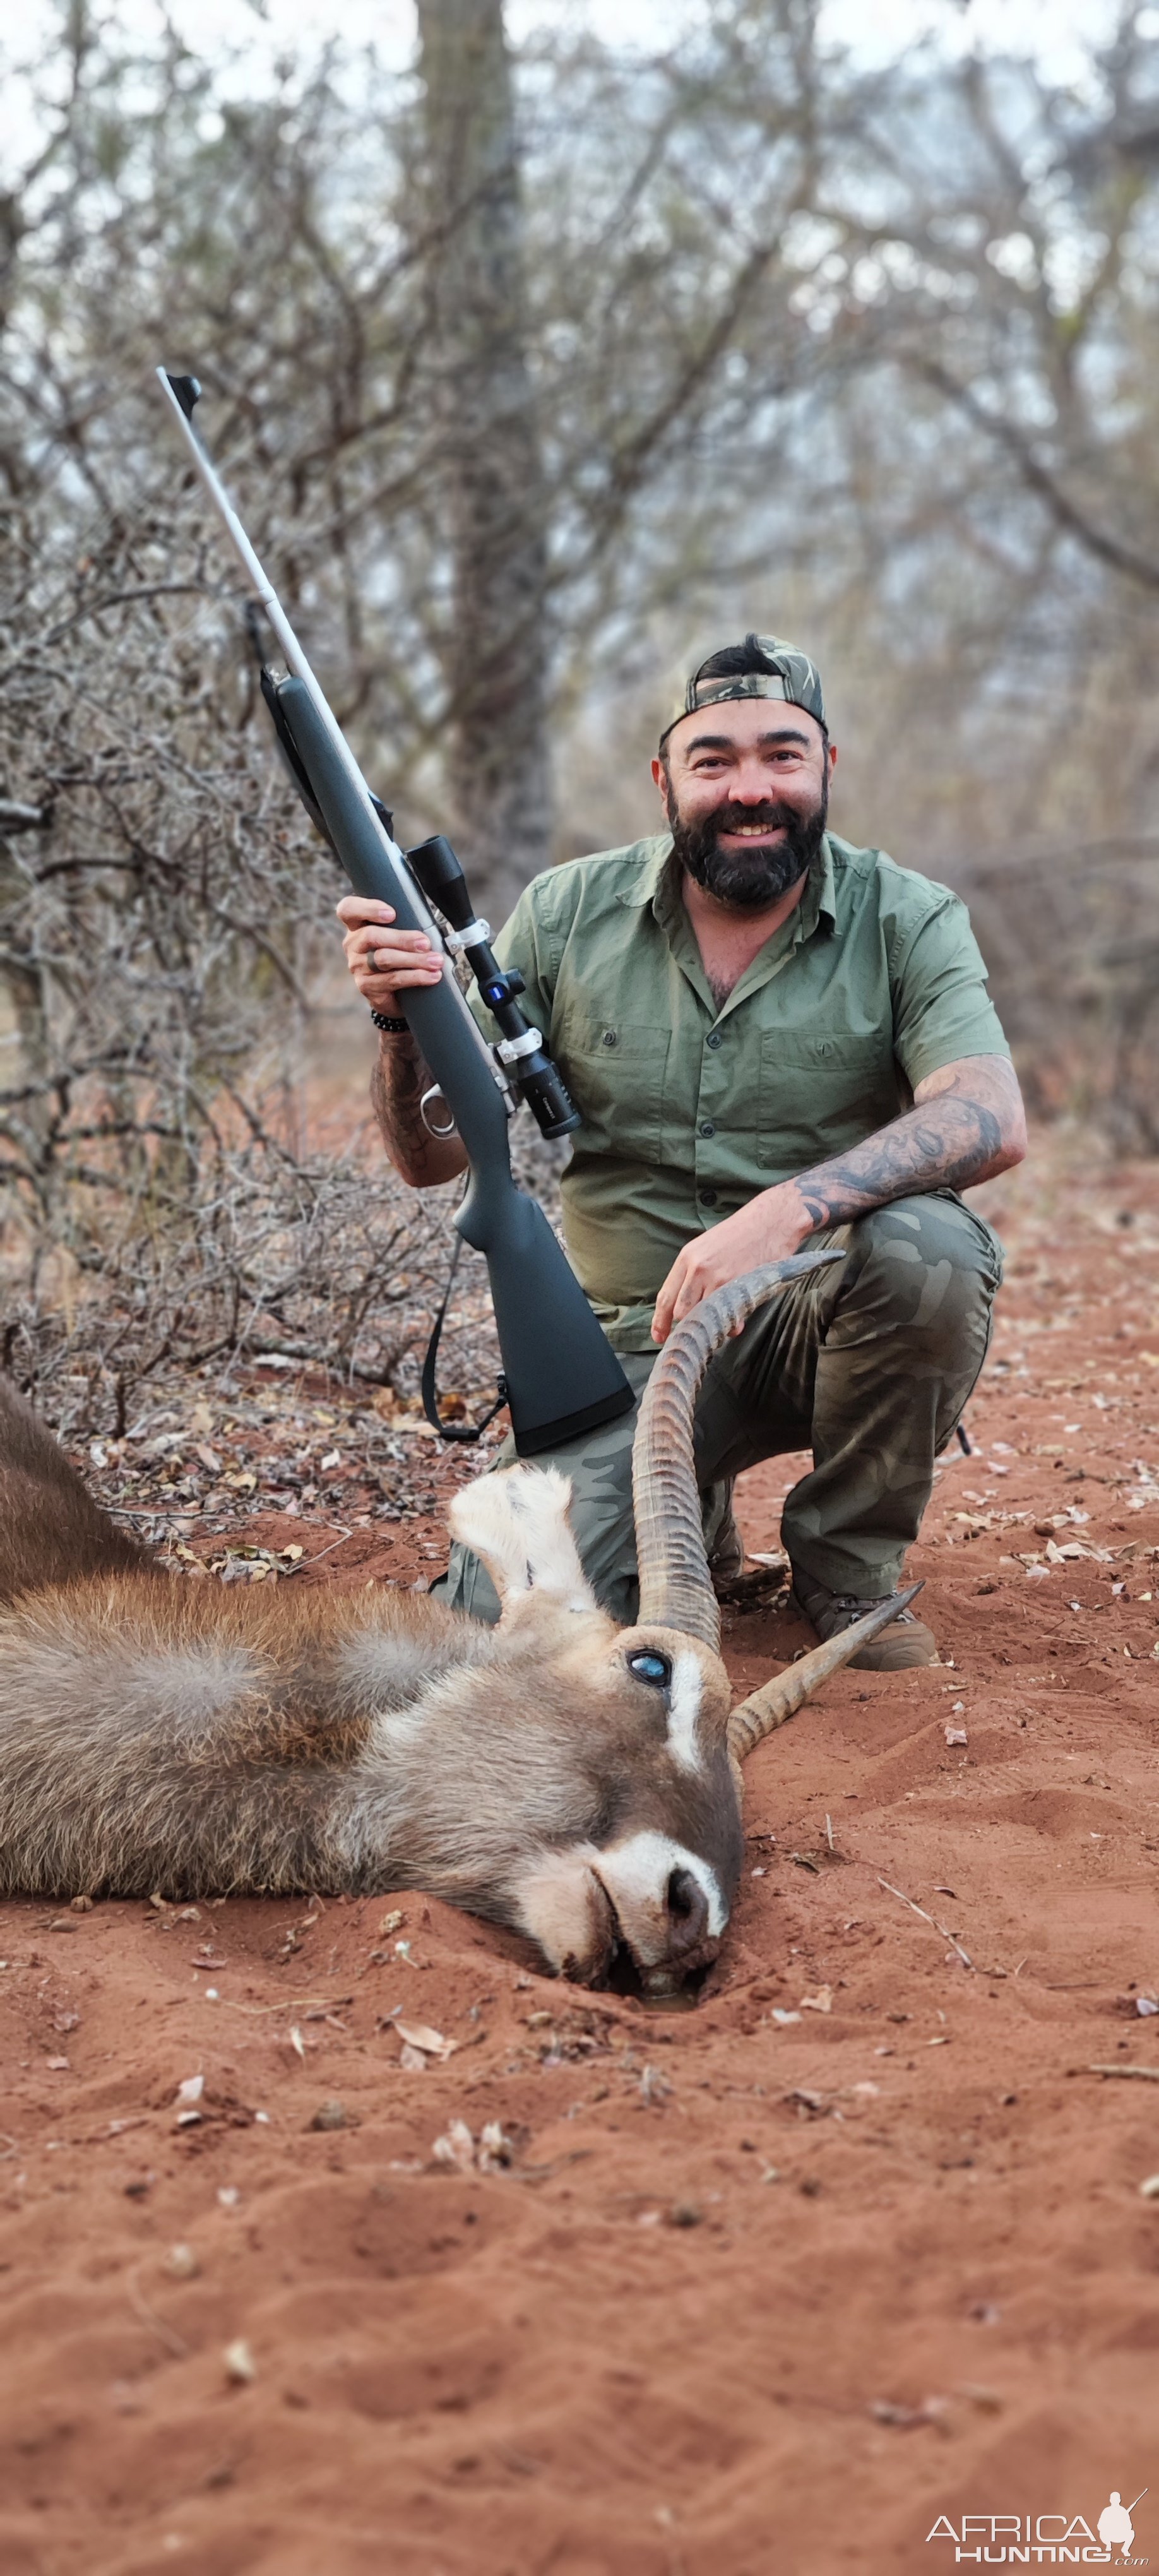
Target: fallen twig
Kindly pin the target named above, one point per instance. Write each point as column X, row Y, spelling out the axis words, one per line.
column 291, row 2003
column 931, row 1919
column 175, row 2343
column 543, row 2173
column 304, row 1561
column 1146, row 2074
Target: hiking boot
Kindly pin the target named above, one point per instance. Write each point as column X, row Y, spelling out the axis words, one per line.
column 905, row 1642
column 726, row 1563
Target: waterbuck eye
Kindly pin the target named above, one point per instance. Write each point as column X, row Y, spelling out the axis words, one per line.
column 650, row 1667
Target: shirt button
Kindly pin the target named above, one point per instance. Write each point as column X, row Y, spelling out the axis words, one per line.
column 610, row 1038
column 706, row 1127
column 713, row 1038
column 708, row 1198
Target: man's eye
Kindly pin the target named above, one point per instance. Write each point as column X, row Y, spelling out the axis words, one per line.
column 650, row 1667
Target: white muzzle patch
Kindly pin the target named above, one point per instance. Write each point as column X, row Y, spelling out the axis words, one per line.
column 636, row 1874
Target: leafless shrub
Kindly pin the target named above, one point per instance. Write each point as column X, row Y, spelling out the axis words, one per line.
column 1072, row 935
column 162, row 1196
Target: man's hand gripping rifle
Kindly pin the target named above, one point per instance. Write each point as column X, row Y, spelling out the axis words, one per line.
column 562, row 1377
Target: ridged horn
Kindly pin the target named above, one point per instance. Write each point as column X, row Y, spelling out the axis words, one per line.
column 675, row 1586
column 768, row 1708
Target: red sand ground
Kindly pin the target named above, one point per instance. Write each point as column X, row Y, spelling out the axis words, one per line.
column 751, row 2295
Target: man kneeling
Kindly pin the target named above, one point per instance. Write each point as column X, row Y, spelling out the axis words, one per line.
column 774, row 1039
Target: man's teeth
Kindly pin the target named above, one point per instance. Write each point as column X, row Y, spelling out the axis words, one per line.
column 752, row 831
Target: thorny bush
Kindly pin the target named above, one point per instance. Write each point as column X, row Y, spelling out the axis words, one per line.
column 163, row 1197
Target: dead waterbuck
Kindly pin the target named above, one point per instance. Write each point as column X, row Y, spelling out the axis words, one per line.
column 575, row 1780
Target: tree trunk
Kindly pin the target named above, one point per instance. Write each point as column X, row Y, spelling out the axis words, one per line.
column 492, row 479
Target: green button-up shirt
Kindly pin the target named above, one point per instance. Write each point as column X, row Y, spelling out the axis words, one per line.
column 689, row 1110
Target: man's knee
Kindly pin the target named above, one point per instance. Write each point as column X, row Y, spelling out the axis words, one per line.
column 467, row 1586
column 927, row 1266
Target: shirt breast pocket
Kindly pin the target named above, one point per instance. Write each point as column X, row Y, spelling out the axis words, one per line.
column 818, row 1095
column 616, row 1074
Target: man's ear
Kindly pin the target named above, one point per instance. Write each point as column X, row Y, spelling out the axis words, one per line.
column 517, row 1522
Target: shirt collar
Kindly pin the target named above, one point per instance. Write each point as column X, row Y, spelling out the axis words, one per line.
column 651, row 869
column 820, row 895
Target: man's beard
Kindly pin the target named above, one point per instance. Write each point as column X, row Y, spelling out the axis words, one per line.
column 749, row 880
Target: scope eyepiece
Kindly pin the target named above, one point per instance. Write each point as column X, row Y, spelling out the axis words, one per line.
column 548, row 1099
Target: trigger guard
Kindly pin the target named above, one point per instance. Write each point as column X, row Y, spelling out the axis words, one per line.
column 428, row 1098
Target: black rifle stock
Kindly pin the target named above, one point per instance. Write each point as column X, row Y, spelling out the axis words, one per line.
column 563, row 1378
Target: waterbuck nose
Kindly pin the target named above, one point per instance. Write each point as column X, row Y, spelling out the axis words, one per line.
column 687, row 1912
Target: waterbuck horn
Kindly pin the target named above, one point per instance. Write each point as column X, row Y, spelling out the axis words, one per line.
column 675, row 1586
column 757, row 1716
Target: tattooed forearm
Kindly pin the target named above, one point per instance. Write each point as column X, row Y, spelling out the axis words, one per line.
column 966, row 1124
column 397, row 1084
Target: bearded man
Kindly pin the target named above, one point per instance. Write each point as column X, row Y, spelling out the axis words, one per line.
column 774, row 1039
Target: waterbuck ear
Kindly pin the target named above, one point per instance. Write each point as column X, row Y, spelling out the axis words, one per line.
column 517, row 1522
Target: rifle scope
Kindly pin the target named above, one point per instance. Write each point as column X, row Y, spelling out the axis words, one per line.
column 439, row 871
column 520, row 1049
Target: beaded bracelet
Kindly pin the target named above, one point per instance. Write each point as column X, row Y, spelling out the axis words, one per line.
column 394, row 1028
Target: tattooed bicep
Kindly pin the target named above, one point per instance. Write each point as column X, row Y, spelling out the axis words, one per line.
column 989, row 1078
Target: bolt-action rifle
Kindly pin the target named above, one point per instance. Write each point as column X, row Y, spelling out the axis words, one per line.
column 560, row 1376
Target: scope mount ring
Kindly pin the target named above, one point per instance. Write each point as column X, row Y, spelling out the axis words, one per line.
column 510, row 1049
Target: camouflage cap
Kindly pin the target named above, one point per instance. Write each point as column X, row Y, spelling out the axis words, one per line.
column 792, row 677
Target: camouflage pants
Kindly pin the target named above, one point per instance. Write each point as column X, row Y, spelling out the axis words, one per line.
column 867, row 1362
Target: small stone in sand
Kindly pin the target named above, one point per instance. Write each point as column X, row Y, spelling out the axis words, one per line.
column 329, row 2115
column 181, row 2263
column 240, row 2365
